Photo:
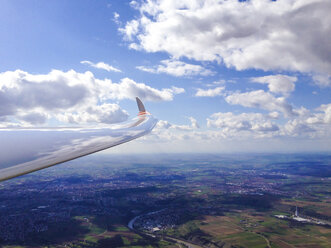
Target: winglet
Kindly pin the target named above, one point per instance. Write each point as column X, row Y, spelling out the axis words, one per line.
column 141, row 107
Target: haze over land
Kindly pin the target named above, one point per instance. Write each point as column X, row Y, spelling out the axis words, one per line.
column 221, row 76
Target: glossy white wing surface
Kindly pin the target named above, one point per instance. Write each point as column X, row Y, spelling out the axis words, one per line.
column 26, row 150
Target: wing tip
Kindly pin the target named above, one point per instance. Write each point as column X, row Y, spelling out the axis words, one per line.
column 141, row 106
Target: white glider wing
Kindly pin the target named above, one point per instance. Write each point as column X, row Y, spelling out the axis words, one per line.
column 24, row 150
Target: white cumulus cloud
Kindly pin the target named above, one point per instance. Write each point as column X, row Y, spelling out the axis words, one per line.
column 105, row 113
column 100, row 65
column 210, row 92
column 277, row 83
column 177, row 68
column 162, row 124
column 262, row 100
column 231, row 123
column 129, row 89
column 322, row 80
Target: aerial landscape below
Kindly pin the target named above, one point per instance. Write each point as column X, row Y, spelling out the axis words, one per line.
column 171, row 200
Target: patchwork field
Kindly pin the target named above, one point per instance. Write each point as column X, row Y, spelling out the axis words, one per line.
column 253, row 229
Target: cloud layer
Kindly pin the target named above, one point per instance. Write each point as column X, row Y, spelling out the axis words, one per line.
column 259, row 34
column 226, row 127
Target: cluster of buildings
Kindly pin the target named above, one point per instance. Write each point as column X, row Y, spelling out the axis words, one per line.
column 303, row 219
column 156, row 221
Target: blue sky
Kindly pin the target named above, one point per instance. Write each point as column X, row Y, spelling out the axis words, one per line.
column 221, row 76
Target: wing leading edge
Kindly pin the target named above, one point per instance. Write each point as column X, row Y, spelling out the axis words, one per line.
column 24, row 150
